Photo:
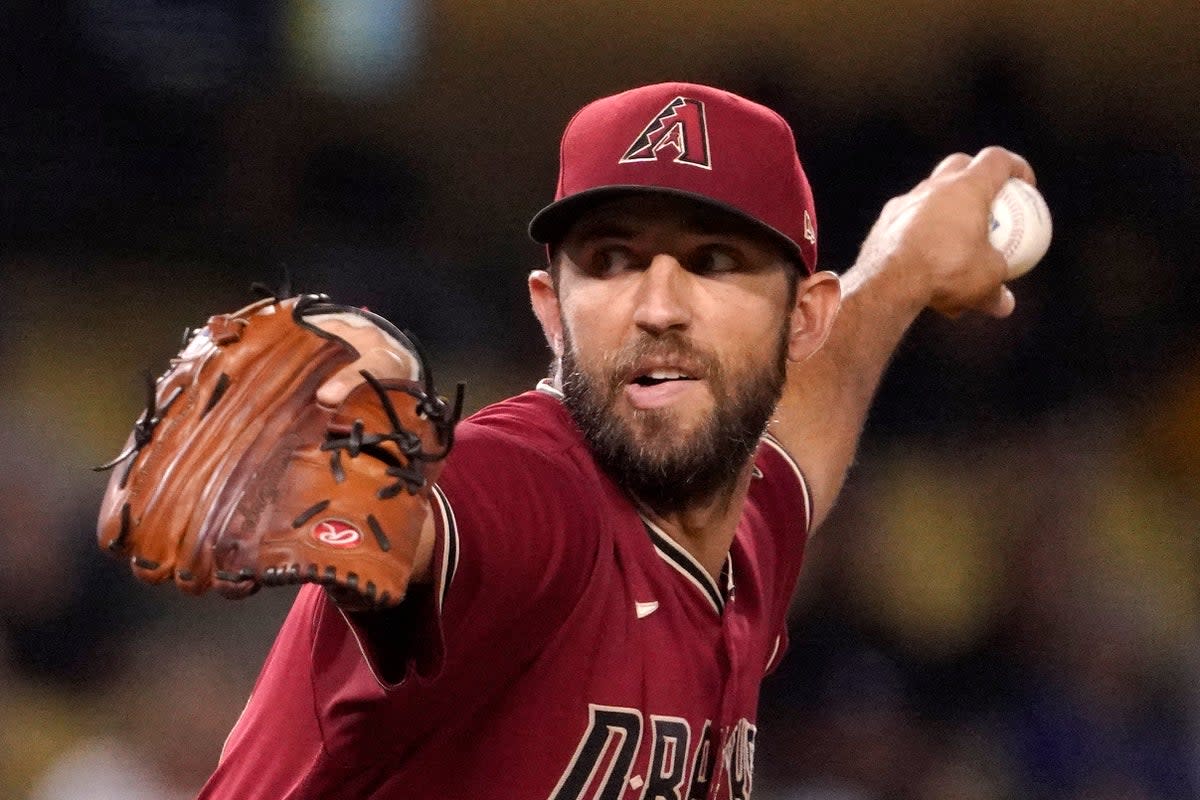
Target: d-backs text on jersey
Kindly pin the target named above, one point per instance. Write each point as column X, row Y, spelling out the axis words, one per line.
column 681, row 766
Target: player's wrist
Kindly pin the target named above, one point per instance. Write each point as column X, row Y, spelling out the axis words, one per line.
column 894, row 278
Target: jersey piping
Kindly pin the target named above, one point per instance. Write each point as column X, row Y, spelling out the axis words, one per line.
column 686, row 565
column 775, row 445
column 545, row 386
column 444, row 513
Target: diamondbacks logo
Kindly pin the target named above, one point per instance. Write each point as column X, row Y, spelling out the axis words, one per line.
column 680, row 129
column 336, row 533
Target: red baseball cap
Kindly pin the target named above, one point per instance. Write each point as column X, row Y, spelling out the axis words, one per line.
column 687, row 140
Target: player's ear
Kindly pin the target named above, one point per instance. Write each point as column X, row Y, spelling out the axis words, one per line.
column 818, row 298
column 544, row 298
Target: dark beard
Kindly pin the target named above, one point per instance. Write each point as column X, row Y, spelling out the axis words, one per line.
column 706, row 464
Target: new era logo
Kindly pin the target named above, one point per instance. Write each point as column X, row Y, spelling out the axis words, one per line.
column 679, row 131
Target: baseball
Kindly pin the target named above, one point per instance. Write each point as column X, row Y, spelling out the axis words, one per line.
column 1019, row 226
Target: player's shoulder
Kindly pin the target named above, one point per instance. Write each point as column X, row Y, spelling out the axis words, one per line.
column 772, row 455
column 531, row 434
column 779, row 482
column 534, row 421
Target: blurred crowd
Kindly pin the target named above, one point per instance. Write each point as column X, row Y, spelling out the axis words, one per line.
column 997, row 617
column 1005, row 603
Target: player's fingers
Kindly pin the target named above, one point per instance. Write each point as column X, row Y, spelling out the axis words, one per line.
column 1000, row 304
column 378, row 353
column 379, row 361
column 995, row 165
column 333, row 391
column 954, row 162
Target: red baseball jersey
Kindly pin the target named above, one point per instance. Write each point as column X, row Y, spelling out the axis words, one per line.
column 568, row 649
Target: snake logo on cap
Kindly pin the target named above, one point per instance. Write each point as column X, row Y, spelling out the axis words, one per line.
column 682, row 127
column 336, row 533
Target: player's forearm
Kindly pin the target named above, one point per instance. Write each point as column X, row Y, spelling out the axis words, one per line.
column 929, row 247
column 827, row 397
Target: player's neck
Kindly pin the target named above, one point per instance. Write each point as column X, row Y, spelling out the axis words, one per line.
column 705, row 530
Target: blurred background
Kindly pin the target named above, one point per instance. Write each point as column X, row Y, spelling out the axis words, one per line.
column 1005, row 604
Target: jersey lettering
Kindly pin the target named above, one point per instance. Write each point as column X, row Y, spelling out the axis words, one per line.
column 604, row 760
column 607, row 749
column 668, row 760
column 739, row 760
column 702, row 764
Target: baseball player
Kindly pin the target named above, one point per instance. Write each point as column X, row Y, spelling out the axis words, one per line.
column 600, row 577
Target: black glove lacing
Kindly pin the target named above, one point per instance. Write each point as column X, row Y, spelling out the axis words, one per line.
column 409, row 477
column 143, row 429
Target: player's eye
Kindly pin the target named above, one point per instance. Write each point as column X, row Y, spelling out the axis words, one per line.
column 611, row 259
column 715, row 260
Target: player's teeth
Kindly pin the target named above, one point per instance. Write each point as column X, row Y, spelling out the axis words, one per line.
column 664, row 375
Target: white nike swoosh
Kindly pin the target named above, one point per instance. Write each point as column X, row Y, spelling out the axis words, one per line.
column 644, row 610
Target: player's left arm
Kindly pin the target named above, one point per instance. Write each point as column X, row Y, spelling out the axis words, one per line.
column 929, row 248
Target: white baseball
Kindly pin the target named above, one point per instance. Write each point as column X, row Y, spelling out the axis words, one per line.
column 1019, row 226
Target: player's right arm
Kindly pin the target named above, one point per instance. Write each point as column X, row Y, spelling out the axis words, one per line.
column 928, row 248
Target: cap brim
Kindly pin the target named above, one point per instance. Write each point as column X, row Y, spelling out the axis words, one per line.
column 551, row 224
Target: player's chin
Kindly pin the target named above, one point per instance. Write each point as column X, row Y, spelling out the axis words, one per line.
column 670, row 426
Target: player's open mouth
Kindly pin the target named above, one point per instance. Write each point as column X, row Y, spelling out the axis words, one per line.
column 656, row 388
column 659, row 376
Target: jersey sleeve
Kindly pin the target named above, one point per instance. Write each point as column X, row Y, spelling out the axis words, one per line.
column 516, row 539
column 782, row 497
column 520, row 535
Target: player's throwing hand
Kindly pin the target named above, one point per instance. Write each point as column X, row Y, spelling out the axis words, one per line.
column 936, row 235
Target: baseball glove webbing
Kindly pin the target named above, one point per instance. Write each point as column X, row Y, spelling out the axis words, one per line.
column 235, row 477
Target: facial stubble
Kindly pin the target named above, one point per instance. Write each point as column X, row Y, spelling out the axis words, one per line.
column 650, row 456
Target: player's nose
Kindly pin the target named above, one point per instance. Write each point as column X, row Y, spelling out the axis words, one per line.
column 662, row 296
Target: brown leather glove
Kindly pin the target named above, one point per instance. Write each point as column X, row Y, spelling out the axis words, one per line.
column 235, row 477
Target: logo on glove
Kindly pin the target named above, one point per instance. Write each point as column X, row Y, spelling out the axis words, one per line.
column 336, row 533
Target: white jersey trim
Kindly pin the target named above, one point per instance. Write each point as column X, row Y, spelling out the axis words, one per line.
column 449, row 564
column 686, row 565
column 774, row 444
column 774, row 652
column 362, row 651
column 450, row 543
column 547, row 386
